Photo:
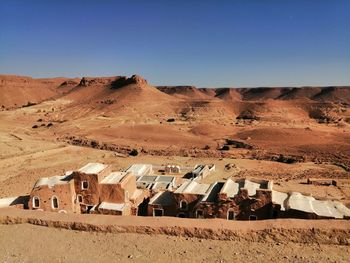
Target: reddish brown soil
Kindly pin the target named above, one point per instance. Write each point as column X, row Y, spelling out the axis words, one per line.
column 168, row 239
column 283, row 134
column 309, row 124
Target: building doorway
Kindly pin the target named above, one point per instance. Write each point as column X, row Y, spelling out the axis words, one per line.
column 158, row 212
column 183, row 205
column 231, row 215
column 199, row 213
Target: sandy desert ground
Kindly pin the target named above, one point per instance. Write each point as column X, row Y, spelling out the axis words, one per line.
column 74, row 246
column 48, row 126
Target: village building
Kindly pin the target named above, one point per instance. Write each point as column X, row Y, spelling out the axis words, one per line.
column 242, row 199
column 86, row 181
column 187, row 197
column 172, row 169
column 119, row 195
column 140, row 169
column 183, row 201
column 20, row 202
column 245, row 200
column 55, row 194
column 162, row 204
column 156, row 183
column 95, row 189
column 202, row 170
column 207, row 205
column 296, row 205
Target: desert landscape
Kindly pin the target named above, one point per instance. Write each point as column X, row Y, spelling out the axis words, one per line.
column 287, row 135
column 175, row 131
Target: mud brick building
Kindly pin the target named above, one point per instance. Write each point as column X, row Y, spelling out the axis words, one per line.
column 140, row 169
column 86, row 182
column 162, row 204
column 296, row 205
column 140, row 191
column 93, row 188
column 172, row 169
column 119, row 194
column 245, row 200
column 242, row 199
column 185, row 200
column 202, row 170
column 55, row 194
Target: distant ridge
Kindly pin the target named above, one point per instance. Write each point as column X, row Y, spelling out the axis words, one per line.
column 16, row 91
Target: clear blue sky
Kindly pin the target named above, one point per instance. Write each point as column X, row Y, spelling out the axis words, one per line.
column 203, row 43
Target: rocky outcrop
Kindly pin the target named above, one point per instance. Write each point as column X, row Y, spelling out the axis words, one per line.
column 238, row 144
column 327, row 113
column 124, row 81
column 69, row 83
column 90, row 81
column 115, row 82
column 247, row 115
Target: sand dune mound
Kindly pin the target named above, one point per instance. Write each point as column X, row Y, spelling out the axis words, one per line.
column 327, row 112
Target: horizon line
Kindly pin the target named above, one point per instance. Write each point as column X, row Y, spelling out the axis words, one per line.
column 185, row 85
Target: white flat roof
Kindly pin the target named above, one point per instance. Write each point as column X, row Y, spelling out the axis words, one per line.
column 308, row 204
column 139, row 169
column 192, row 187
column 231, row 188
column 114, row 178
column 251, row 187
column 51, row 181
column 342, row 208
column 112, row 206
column 5, row 202
column 300, row 202
column 279, row 198
column 93, row 168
